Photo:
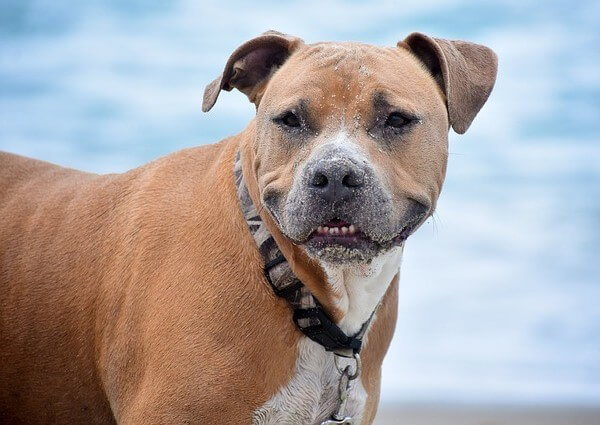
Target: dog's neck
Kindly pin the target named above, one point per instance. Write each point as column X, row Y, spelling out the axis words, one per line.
column 349, row 294
column 359, row 289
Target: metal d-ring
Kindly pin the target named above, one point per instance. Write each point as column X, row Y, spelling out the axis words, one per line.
column 357, row 369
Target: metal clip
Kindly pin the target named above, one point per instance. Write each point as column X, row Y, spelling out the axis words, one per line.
column 339, row 417
column 345, row 421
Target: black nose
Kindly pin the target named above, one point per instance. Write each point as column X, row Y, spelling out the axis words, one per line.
column 336, row 180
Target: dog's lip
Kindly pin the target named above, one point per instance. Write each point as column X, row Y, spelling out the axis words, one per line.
column 349, row 241
column 323, row 235
column 409, row 228
column 405, row 233
column 336, row 222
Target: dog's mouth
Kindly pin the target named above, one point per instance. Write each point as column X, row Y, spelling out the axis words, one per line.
column 337, row 232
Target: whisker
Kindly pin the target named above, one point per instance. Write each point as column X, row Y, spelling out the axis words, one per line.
column 434, row 222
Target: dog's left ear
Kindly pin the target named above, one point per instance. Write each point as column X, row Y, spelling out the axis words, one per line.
column 466, row 72
column 251, row 65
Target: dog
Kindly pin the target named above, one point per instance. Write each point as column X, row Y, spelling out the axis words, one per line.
column 148, row 297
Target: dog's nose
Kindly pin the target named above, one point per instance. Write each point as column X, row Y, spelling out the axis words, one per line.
column 336, row 180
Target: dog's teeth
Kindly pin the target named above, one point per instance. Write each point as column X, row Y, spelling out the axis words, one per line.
column 335, row 230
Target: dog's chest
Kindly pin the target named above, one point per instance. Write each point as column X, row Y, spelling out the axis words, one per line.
column 311, row 396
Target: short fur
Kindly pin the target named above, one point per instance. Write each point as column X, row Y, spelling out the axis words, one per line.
column 139, row 298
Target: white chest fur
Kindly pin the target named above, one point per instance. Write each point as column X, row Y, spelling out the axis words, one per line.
column 359, row 289
column 311, row 396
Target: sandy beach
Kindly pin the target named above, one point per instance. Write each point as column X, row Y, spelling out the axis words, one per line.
column 418, row 414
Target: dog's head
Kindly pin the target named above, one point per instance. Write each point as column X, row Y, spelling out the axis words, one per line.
column 351, row 140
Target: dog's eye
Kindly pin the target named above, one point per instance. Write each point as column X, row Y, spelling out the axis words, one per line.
column 396, row 120
column 290, row 119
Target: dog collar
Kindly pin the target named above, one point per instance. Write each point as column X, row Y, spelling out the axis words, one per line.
column 309, row 315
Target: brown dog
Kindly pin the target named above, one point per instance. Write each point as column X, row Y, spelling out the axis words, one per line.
column 140, row 298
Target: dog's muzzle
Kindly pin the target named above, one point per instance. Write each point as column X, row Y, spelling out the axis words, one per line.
column 339, row 208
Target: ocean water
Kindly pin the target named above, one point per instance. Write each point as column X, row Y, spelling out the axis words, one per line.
column 500, row 292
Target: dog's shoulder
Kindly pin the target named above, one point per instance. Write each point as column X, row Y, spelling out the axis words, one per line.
column 16, row 170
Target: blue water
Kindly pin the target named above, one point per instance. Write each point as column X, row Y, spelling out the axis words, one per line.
column 500, row 293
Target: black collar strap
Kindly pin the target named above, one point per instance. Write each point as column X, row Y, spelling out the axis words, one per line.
column 309, row 315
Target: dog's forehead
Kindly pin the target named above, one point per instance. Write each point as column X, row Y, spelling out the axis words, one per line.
column 352, row 71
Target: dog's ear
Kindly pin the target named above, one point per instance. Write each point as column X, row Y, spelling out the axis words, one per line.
column 251, row 65
column 466, row 72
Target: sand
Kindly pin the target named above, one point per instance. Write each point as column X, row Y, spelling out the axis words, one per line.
column 486, row 415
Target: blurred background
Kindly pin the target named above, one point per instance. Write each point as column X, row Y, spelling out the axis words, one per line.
column 500, row 292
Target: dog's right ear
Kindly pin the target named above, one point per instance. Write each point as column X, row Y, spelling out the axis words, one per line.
column 466, row 72
column 251, row 65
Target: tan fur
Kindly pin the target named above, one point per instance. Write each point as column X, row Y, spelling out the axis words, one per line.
column 341, row 88
column 378, row 344
column 126, row 292
column 139, row 298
